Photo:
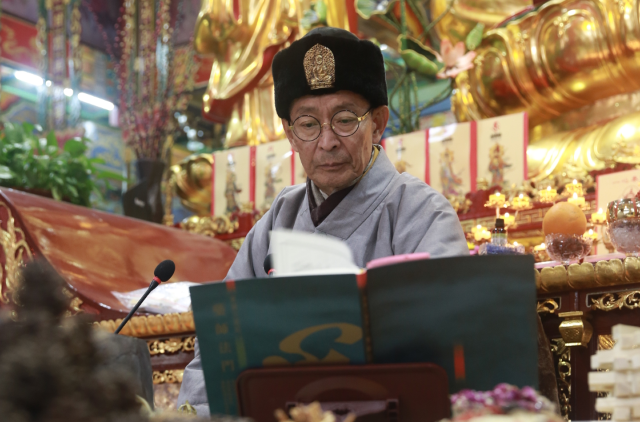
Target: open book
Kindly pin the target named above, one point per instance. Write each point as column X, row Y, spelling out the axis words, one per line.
column 449, row 311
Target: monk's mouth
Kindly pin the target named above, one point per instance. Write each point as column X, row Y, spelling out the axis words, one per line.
column 331, row 166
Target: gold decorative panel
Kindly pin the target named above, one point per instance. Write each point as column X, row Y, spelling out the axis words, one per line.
column 171, row 346
column 618, row 300
column 209, row 226
column 172, row 376
column 547, row 306
column 563, row 355
column 614, row 272
column 16, row 252
column 152, row 325
column 605, row 342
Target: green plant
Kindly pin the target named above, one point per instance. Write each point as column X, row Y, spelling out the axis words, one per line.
column 30, row 160
column 419, row 76
column 315, row 15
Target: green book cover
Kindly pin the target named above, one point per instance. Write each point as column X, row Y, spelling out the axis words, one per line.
column 274, row 321
column 474, row 316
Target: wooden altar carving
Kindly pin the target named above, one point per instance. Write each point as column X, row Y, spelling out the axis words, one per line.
column 590, row 296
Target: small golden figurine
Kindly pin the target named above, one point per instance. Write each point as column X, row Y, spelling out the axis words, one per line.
column 319, row 67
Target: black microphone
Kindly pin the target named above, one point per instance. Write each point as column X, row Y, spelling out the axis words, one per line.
column 268, row 266
column 162, row 273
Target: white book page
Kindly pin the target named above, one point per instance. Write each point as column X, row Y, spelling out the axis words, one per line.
column 300, row 253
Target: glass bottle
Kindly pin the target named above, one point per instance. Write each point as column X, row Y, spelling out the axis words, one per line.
column 499, row 234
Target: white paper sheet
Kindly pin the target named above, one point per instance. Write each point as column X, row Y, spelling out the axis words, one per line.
column 299, row 253
column 164, row 299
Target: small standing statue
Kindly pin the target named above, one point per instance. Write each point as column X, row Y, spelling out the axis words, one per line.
column 231, row 188
column 451, row 182
column 497, row 164
column 401, row 164
column 271, row 173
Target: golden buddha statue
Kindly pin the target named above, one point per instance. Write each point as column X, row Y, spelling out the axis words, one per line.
column 191, row 179
column 464, row 15
column 565, row 55
column 243, row 41
column 560, row 63
column 594, row 147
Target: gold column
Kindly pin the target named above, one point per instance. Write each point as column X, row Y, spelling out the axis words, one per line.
column 337, row 16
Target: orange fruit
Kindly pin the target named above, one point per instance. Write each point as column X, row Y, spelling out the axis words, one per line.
column 564, row 218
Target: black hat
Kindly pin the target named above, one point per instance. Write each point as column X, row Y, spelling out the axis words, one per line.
column 328, row 60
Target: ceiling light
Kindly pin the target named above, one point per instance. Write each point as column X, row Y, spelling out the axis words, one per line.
column 29, row 78
column 68, row 92
column 95, row 101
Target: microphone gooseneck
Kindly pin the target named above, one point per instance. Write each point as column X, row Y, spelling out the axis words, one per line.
column 163, row 272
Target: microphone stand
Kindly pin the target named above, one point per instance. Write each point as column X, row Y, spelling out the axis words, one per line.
column 154, row 283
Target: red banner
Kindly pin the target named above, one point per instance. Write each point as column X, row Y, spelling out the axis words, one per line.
column 18, row 40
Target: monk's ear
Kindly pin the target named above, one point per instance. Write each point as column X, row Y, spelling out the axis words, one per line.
column 379, row 117
column 289, row 133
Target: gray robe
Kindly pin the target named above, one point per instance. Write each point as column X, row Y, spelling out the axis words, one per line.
column 385, row 214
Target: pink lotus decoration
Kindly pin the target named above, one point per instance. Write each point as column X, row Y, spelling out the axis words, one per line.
column 454, row 59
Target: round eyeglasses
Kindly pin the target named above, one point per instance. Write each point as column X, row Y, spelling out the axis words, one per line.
column 343, row 123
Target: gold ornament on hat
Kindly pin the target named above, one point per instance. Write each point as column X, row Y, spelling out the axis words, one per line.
column 320, row 67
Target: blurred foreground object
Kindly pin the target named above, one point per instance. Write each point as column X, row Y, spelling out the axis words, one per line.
column 506, row 400
column 617, row 375
column 52, row 369
column 55, row 368
column 310, row 413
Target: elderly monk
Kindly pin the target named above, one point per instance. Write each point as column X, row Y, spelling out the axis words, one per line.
column 331, row 94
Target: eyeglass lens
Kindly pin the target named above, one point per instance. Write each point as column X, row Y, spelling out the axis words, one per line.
column 343, row 123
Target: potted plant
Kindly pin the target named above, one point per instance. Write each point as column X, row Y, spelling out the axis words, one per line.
column 32, row 162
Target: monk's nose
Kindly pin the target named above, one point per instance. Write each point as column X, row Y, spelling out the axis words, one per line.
column 328, row 139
